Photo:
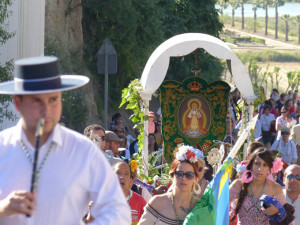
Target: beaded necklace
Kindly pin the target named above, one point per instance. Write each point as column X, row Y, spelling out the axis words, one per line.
column 174, row 206
column 253, row 199
column 38, row 171
column 129, row 197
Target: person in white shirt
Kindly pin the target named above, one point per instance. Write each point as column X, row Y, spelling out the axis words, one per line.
column 265, row 121
column 71, row 171
column 290, row 121
column 286, row 147
column 291, row 192
column 281, row 121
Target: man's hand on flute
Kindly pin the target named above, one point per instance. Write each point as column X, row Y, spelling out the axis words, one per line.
column 18, row 202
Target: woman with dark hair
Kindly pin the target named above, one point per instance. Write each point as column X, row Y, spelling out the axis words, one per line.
column 172, row 207
column 245, row 192
column 116, row 121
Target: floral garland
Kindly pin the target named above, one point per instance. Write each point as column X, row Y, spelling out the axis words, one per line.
column 187, row 152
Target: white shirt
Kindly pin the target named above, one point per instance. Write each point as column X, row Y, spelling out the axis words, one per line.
column 291, row 123
column 75, row 173
column 296, row 205
column 257, row 134
column 288, row 150
column 283, row 123
column 265, row 121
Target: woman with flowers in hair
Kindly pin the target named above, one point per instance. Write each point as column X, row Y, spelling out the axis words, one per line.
column 245, row 192
column 172, row 207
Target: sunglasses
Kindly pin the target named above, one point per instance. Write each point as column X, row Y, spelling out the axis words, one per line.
column 102, row 138
column 181, row 174
column 283, row 112
column 284, row 133
column 291, row 176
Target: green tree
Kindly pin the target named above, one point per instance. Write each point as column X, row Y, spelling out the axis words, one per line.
column 265, row 75
column 193, row 16
column 286, row 18
column 256, row 4
column 137, row 27
column 243, row 15
column 266, row 4
column 7, row 68
column 297, row 21
column 276, row 4
column 255, row 71
column 234, row 5
column 297, row 81
column 277, row 77
column 134, row 28
column 271, row 77
column 291, row 75
column 223, row 5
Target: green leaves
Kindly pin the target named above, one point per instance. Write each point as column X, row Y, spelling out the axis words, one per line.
column 6, row 70
column 132, row 98
column 152, row 170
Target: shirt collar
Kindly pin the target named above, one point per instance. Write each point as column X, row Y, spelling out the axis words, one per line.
column 55, row 136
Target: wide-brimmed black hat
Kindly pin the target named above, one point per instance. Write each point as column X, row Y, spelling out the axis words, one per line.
column 39, row 75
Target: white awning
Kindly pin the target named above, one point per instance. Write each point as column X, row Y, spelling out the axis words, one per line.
column 156, row 68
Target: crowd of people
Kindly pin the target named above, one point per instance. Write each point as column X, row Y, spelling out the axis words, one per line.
column 277, row 126
column 77, row 181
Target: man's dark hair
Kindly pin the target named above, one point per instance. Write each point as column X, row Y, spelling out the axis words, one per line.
column 116, row 116
column 282, row 95
column 267, row 106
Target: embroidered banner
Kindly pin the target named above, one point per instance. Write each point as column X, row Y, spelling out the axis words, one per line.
column 193, row 113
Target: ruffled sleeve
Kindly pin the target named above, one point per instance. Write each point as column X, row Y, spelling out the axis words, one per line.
column 147, row 217
column 151, row 217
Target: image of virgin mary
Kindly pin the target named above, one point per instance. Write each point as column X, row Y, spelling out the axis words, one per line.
column 194, row 122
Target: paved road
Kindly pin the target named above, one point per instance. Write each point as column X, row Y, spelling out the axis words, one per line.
column 270, row 43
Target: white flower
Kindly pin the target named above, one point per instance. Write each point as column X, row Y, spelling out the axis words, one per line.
column 240, row 168
column 199, row 154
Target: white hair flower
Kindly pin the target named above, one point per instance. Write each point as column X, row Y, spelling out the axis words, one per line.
column 200, row 154
column 240, row 168
column 186, row 152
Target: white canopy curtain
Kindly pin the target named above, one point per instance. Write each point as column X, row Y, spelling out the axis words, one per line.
column 183, row 44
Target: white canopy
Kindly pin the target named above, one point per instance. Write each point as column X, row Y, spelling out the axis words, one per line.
column 156, row 68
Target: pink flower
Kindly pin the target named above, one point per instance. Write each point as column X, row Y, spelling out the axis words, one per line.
column 277, row 165
column 244, row 162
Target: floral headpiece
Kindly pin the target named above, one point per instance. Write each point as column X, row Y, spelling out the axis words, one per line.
column 200, row 154
column 186, row 152
column 277, row 165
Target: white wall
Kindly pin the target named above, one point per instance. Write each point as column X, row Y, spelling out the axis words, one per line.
column 27, row 21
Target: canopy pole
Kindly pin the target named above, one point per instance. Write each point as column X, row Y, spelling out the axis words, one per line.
column 248, row 104
column 242, row 138
column 146, row 97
